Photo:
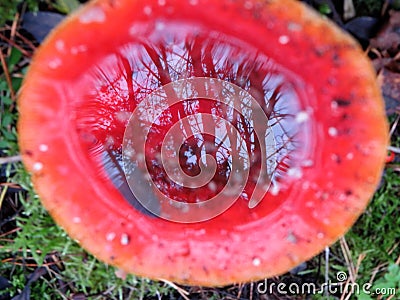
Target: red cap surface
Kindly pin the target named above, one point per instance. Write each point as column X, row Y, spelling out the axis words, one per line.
column 317, row 86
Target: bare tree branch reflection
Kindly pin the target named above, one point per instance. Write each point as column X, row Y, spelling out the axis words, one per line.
column 158, row 61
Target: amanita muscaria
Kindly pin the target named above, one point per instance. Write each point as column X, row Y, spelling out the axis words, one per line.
column 313, row 82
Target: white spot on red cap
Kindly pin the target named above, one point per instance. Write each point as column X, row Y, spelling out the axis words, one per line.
column 93, row 14
column 305, row 185
column 55, row 63
column 295, row 172
column 160, row 25
column 307, row 163
column 291, row 238
column 283, row 39
column 294, row 26
column 256, row 261
column 302, row 117
column 60, row 45
column 110, row 236
column 309, row 204
column 124, row 239
column 147, row 10
column 200, row 232
column 37, row 166
column 326, row 221
column 248, row 5
column 332, row 131
column 275, row 189
column 78, row 49
column 43, row 148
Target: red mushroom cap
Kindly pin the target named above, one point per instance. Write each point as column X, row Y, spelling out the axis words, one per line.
column 97, row 66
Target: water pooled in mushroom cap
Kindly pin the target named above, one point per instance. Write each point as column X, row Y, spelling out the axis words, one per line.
column 123, row 80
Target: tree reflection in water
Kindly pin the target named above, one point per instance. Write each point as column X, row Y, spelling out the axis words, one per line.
column 175, row 52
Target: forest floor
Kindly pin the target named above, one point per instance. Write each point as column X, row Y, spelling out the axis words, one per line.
column 60, row 269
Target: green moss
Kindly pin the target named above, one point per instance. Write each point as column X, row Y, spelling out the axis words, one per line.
column 9, row 8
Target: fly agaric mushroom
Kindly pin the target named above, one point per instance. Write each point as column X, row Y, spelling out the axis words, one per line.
column 313, row 82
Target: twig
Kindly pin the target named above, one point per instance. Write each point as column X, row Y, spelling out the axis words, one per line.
column 385, row 6
column 2, row 195
column 348, row 10
column 7, row 74
column 240, row 289
column 26, row 41
column 10, row 159
column 394, row 149
column 375, row 271
column 397, row 57
column 394, row 126
column 327, row 251
column 180, row 290
column 395, row 246
column 8, row 233
column 361, row 257
column 14, row 261
column 15, row 45
column 13, row 30
column 347, row 257
column 10, row 185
